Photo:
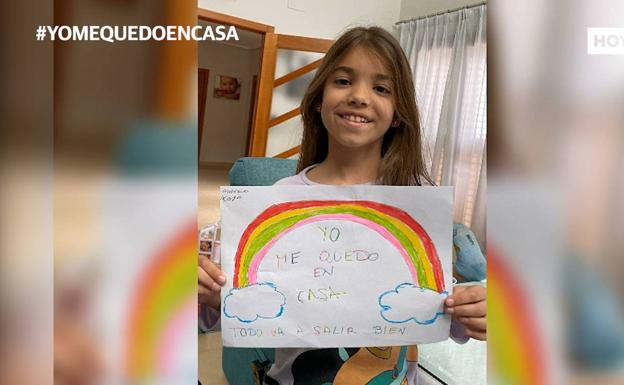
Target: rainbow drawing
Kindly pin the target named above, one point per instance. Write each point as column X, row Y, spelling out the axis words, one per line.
column 513, row 336
column 395, row 225
column 163, row 303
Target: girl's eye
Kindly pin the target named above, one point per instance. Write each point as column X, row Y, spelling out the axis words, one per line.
column 342, row 82
column 382, row 90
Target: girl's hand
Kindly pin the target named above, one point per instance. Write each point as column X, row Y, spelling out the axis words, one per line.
column 210, row 278
column 467, row 305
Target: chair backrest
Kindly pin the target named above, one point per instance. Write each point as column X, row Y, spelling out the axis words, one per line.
column 261, row 171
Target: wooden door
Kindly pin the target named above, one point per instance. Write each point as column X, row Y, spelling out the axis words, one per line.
column 262, row 118
column 252, row 112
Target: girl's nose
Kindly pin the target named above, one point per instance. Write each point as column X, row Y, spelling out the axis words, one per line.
column 359, row 96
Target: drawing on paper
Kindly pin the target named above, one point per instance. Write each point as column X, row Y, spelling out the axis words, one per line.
column 398, row 228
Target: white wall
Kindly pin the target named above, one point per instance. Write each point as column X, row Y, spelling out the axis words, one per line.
column 416, row 8
column 320, row 18
column 226, row 121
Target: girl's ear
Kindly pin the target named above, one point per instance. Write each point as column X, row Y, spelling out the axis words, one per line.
column 318, row 108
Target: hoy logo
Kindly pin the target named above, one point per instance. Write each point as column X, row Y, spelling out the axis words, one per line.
column 605, row 41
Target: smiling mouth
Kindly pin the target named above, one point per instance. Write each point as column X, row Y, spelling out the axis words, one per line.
column 354, row 118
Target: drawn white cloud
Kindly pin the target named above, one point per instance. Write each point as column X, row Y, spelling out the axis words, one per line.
column 409, row 302
column 249, row 303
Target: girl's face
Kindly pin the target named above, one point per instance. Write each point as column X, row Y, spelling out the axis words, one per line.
column 358, row 102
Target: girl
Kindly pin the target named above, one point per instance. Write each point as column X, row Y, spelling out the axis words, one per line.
column 361, row 126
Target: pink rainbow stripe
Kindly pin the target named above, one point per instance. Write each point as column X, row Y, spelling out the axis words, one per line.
column 255, row 263
column 169, row 346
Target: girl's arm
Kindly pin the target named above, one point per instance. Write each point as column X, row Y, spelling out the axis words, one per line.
column 210, row 279
column 467, row 304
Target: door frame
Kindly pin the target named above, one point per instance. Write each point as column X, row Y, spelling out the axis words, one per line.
column 202, row 90
column 263, row 93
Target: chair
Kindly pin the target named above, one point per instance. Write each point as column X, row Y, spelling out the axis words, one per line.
column 261, row 171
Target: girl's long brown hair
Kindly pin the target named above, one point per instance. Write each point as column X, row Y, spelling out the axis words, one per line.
column 402, row 162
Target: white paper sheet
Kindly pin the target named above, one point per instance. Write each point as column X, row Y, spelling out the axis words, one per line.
column 321, row 266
